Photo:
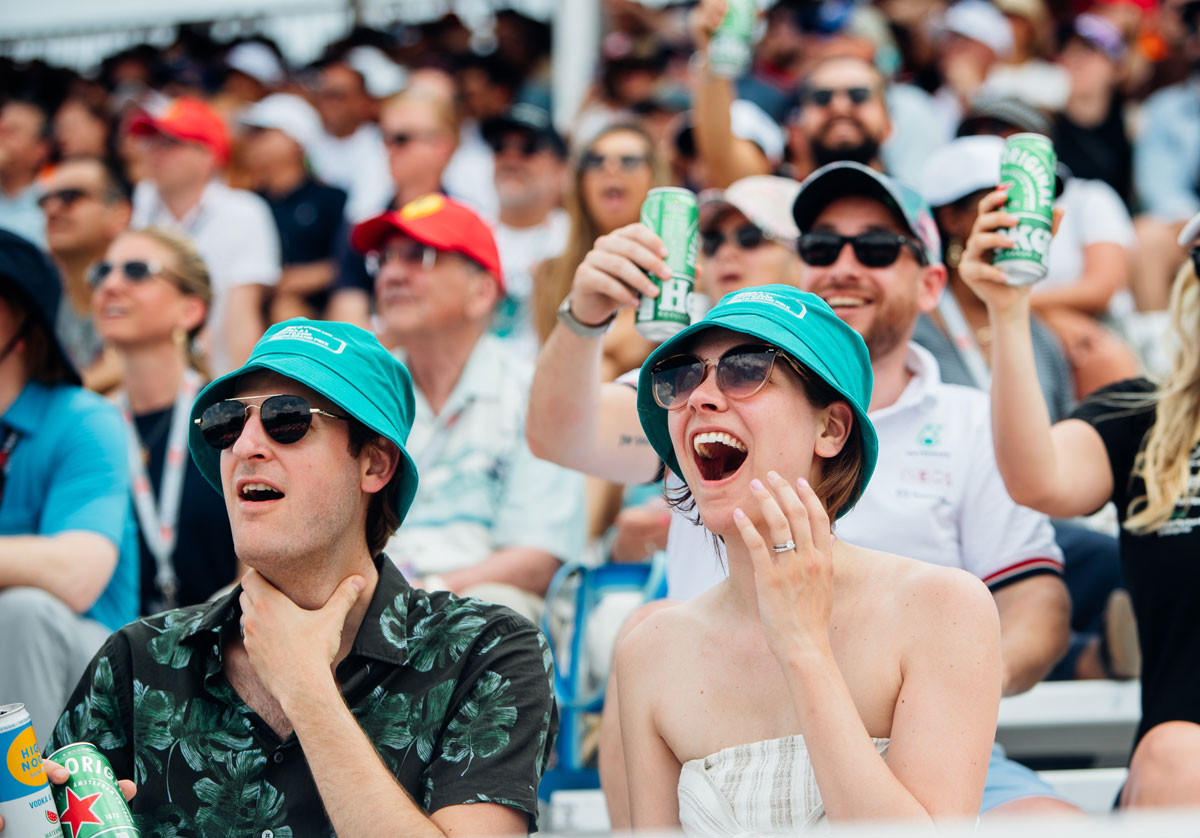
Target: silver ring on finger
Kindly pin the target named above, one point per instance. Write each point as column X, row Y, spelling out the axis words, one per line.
column 784, row 547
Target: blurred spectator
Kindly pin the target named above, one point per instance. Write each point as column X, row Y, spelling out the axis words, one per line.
column 24, row 150
column 843, row 115
column 87, row 206
column 1025, row 73
column 485, row 87
column 81, row 129
column 489, row 520
column 420, row 134
column 308, row 214
column 974, row 37
column 150, row 300
column 530, row 174
column 253, row 70
column 1166, row 171
column 610, row 179
column 468, row 174
column 1089, row 263
column 68, row 542
column 350, row 153
column 233, row 229
column 1090, row 135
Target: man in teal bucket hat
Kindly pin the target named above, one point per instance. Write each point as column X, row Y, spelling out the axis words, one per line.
column 339, row 696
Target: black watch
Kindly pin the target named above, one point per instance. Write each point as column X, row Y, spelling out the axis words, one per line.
column 584, row 330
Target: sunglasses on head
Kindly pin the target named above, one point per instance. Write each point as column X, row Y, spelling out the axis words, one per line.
column 822, row 96
column 741, row 372
column 747, row 237
column 873, row 249
column 285, row 418
column 135, row 270
column 591, row 161
column 66, row 196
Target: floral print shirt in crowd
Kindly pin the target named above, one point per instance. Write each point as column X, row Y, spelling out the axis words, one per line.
column 455, row 694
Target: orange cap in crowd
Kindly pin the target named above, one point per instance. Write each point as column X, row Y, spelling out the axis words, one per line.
column 191, row 120
column 439, row 222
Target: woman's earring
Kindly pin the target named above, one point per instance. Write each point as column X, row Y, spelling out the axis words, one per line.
column 179, row 337
column 954, row 252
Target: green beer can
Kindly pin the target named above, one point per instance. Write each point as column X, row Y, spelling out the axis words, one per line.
column 674, row 214
column 1028, row 165
column 731, row 47
column 90, row 803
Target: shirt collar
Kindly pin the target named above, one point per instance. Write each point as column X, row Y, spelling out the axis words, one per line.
column 925, row 378
column 480, row 378
column 383, row 634
column 25, row 414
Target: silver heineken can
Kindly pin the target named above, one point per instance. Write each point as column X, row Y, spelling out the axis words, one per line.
column 674, row 214
column 732, row 44
column 25, row 799
column 1028, row 165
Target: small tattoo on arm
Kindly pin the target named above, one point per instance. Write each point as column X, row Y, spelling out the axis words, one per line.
column 628, row 439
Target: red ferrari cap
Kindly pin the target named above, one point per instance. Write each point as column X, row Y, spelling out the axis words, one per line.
column 439, row 222
column 187, row 119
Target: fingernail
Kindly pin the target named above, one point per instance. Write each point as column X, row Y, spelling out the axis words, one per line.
column 358, row 584
column 739, row 514
column 756, row 485
column 773, row 476
column 801, row 482
column 59, row 774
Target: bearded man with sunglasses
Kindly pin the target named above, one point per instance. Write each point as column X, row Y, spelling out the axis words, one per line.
column 325, row 695
column 870, row 249
column 68, row 537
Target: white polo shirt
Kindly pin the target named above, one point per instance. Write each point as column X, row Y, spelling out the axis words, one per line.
column 236, row 235
column 936, row 495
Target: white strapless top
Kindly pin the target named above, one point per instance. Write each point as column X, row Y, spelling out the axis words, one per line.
column 752, row 789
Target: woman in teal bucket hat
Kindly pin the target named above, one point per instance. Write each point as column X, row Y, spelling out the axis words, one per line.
column 820, row 680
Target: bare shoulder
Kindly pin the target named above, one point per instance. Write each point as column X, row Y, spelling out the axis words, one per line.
column 930, row 599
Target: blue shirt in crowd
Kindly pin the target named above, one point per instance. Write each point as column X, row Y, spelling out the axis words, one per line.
column 69, row 473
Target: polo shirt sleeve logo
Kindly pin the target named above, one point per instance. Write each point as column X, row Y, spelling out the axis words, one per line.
column 423, row 206
column 311, row 335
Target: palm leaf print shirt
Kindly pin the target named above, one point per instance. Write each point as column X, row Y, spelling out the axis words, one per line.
column 456, row 696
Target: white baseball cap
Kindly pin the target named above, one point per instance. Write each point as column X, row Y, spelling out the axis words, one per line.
column 959, row 168
column 257, row 61
column 765, row 200
column 288, row 113
column 980, row 21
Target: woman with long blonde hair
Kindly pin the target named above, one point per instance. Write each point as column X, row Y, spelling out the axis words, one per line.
column 1134, row 443
column 151, row 296
column 609, row 180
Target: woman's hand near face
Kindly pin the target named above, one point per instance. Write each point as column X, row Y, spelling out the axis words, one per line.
column 795, row 587
column 612, row 275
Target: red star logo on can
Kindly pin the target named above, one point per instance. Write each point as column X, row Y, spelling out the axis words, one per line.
column 79, row 811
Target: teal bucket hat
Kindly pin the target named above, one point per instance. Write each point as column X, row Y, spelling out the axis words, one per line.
column 803, row 326
column 345, row 364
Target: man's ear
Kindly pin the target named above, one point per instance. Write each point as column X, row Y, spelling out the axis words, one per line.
column 380, row 459
column 834, row 430
column 931, row 283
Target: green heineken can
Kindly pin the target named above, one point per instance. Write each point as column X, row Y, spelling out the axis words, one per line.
column 90, row 803
column 731, row 47
column 674, row 214
column 1028, row 165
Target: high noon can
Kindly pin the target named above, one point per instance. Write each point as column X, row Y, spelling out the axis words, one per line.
column 90, row 803
column 25, row 801
column 674, row 214
column 1028, row 165
column 731, row 46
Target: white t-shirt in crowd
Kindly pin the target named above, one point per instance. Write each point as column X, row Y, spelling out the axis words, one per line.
column 470, row 174
column 235, row 233
column 521, row 250
column 1092, row 213
column 936, row 495
column 358, row 164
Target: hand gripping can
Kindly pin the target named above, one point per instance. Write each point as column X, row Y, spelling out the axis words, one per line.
column 731, row 47
column 1028, row 165
column 90, row 803
column 674, row 214
column 25, row 800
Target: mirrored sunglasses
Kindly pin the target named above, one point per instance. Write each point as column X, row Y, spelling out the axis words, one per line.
column 741, row 372
column 286, row 419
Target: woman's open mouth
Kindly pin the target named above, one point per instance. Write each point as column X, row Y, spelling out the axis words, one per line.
column 718, row 455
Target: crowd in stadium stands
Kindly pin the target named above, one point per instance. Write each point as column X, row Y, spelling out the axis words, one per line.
column 907, row 490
